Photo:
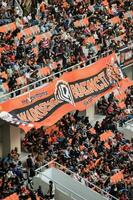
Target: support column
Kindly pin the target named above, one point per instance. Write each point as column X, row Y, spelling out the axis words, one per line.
column 129, row 72
column 90, row 112
column 10, row 138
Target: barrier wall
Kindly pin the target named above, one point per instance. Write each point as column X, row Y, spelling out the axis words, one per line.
column 9, row 139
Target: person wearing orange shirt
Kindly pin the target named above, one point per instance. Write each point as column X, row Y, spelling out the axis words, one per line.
column 42, row 9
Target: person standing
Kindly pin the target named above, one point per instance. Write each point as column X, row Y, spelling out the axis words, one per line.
column 51, row 191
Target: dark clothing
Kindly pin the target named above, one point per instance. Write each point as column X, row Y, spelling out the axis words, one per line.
column 29, row 163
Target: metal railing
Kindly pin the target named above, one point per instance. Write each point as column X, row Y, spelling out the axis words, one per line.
column 129, row 122
column 28, row 88
column 91, row 186
column 62, row 188
column 17, row 5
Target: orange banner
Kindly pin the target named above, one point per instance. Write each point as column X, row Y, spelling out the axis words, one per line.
column 76, row 90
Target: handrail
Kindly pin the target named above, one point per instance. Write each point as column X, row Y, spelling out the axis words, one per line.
column 128, row 122
column 71, row 192
column 34, row 84
column 102, row 192
column 18, row 5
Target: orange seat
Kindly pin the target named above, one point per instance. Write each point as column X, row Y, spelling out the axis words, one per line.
column 8, row 27
column 121, row 96
column 28, row 32
column 21, row 80
column 107, row 145
column 4, row 75
column 117, row 177
column 115, row 20
column 12, row 26
column 105, row 136
column 94, row 152
column 85, row 22
column 38, row 38
column 97, row 161
column 5, row 86
column 92, row 131
column 44, row 71
column 121, row 105
column 105, row 3
column 89, row 40
column 13, row 196
column 3, row 29
column 77, row 23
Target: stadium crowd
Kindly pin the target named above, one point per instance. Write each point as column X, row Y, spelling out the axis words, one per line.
column 80, row 147
column 58, row 35
column 15, row 180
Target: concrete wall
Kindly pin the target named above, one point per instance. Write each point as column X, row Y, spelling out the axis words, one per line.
column 90, row 112
column 66, row 185
column 129, row 72
column 9, row 139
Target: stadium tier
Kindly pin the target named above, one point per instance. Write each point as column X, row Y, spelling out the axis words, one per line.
column 66, row 99
column 67, row 34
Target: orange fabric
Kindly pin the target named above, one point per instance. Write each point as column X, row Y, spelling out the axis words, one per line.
column 4, row 75
column 21, row 80
column 107, row 145
column 51, row 108
column 121, row 96
column 92, row 131
column 42, row 7
column 42, row 36
column 12, row 26
column 8, row 27
column 105, row 3
column 115, row 20
column 117, row 177
column 35, row 50
column 97, row 161
column 3, row 28
column 44, row 71
column 121, row 105
column 77, row 23
column 29, row 31
column 94, row 152
column 89, row 40
column 1, row 49
column 85, row 22
column 82, row 22
column 81, row 147
column 65, row 5
column 51, row 129
column 5, row 86
column 70, row 141
column 12, row 197
column 105, row 136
